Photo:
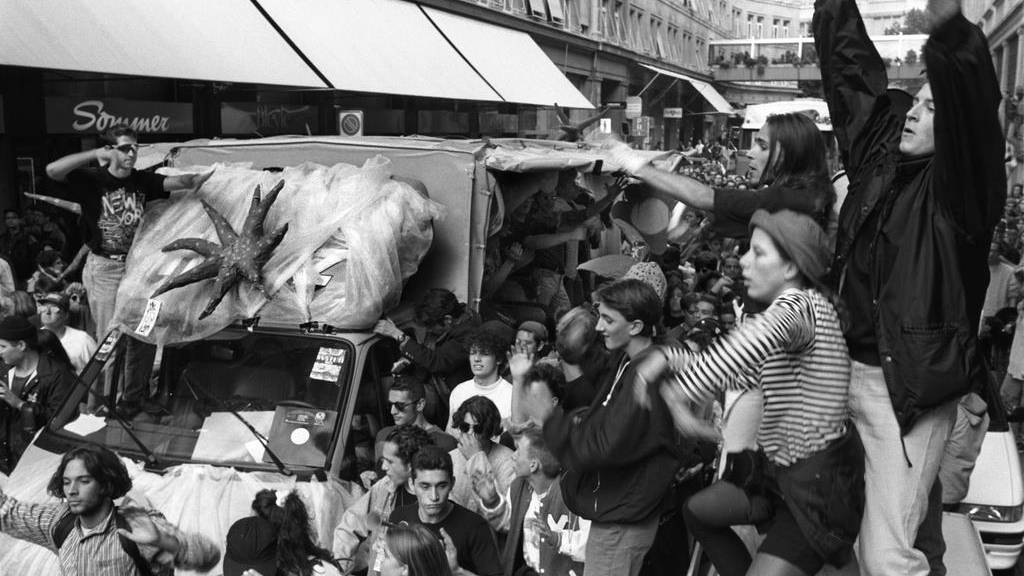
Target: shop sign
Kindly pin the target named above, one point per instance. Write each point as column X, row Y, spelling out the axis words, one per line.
column 634, row 107
column 92, row 115
column 267, row 119
column 673, row 112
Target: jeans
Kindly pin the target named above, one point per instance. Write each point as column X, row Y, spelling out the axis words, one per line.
column 898, row 475
column 102, row 278
column 619, row 549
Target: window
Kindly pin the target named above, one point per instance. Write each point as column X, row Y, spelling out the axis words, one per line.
column 556, row 11
column 785, row 28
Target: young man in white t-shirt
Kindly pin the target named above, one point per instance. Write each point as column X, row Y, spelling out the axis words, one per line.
column 53, row 315
column 486, row 356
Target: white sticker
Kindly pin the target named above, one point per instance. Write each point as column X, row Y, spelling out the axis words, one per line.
column 328, row 364
column 300, row 436
column 149, row 317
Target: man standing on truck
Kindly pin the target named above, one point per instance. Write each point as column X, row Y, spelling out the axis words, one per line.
column 113, row 198
column 926, row 190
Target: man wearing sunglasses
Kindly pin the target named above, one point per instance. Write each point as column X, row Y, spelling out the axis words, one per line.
column 113, row 197
column 406, row 402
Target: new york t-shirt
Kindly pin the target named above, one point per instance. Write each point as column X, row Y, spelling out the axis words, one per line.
column 112, row 207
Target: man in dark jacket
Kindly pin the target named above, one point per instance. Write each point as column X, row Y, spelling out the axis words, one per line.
column 620, row 458
column 926, row 189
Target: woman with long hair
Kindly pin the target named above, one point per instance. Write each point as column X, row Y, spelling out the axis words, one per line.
column 414, row 551
column 804, row 480
column 277, row 541
column 788, row 170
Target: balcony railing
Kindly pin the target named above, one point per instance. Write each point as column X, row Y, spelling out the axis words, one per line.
column 761, row 53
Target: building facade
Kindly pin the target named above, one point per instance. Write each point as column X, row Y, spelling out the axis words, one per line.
column 611, row 51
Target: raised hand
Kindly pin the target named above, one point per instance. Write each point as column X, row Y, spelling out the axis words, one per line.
column 145, row 531
column 486, row 488
column 520, row 360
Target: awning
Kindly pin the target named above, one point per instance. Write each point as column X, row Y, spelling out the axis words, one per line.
column 386, row 46
column 511, row 62
column 222, row 40
column 706, row 90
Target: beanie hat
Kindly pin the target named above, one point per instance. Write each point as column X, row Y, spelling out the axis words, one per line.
column 799, row 236
column 14, row 328
column 539, row 331
column 649, row 273
column 251, row 544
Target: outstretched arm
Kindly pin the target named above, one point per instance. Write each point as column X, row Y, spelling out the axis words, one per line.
column 969, row 177
column 854, row 80
column 186, row 181
column 681, row 188
column 30, row 521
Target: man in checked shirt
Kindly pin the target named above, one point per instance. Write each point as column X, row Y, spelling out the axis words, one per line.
column 92, row 536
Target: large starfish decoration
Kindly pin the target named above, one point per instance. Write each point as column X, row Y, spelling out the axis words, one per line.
column 238, row 256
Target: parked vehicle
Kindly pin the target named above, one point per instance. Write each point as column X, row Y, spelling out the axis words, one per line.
column 995, row 498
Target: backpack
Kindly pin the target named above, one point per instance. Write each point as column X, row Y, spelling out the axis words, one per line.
column 67, row 523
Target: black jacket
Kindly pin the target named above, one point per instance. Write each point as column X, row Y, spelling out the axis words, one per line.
column 43, row 396
column 620, row 458
column 928, row 270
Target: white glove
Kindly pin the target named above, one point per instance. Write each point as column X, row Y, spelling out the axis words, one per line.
column 626, row 157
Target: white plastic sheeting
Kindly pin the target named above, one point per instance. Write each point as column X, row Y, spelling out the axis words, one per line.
column 352, row 228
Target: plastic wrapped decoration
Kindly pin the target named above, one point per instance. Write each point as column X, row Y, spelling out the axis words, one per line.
column 355, row 235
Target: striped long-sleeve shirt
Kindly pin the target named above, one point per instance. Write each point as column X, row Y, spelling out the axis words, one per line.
column 99, row 552
column 796, row 351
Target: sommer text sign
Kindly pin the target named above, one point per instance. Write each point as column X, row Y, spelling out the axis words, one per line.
column 93, row 115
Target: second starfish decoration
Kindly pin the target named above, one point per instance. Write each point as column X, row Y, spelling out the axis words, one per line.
column 239, row 255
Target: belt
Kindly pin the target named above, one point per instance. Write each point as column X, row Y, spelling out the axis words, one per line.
column 114, row 257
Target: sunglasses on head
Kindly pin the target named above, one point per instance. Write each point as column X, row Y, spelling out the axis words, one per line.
column 466, row 427
column 400, row 406
column 127, row 148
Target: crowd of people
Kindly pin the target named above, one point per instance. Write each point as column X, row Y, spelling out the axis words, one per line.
column 777, row 362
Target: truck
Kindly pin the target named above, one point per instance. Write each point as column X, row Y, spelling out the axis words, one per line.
column 276, row 401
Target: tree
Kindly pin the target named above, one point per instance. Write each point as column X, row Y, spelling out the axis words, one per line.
column 914, row 22
column 911, row 57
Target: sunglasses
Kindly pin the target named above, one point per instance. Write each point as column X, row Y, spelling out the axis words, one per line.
column 465, row 428
column 127, row 148
column 400, row 406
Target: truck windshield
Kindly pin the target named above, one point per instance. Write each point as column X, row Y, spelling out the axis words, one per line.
column 288, row 386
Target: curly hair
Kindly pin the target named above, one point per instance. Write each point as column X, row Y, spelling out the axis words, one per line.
column 488, row 342
column 297, row 552
column 101, row 463
column 408, row 439
column 483, row 410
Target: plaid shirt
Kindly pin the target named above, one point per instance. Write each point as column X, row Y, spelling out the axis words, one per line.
column 99, row 553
